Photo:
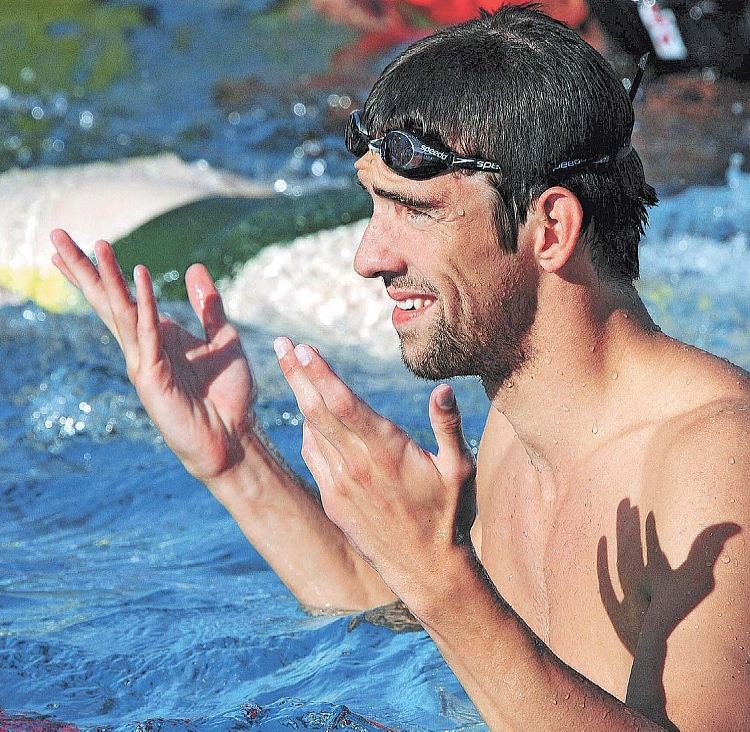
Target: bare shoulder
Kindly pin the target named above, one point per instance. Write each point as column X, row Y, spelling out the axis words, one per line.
column 696, row 479
column 696, row 491
column 701, row 454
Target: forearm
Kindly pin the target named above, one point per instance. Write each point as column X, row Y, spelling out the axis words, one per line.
column 283, row 519
column 513, row 678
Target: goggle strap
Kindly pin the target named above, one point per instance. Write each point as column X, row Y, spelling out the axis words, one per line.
column 573, row 165
column 638, row 75
column 474, row 164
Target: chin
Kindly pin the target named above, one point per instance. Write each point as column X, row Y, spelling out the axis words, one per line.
column 443, row 354
column 438, row 356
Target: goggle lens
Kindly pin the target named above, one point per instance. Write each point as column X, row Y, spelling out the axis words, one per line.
column 406, row 154
column 399, row 152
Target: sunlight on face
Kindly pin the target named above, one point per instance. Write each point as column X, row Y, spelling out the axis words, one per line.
column 439, row 238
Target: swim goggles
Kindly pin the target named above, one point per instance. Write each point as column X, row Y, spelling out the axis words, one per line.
column 405, row 154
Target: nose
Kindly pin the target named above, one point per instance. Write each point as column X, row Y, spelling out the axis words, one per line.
column 379, row 252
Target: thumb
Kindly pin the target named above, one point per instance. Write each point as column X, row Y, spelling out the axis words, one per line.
column 446, row 424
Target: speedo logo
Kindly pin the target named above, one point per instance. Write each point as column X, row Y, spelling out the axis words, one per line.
column 437, row 153
column 569, row 164
column 487, row 165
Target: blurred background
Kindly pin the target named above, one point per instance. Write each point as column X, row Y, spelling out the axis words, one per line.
column 211, row 130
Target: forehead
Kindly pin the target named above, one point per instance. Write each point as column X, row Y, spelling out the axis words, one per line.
column 448, row 190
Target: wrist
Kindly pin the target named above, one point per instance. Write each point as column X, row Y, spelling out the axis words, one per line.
column 249, row 472
column 456, row 575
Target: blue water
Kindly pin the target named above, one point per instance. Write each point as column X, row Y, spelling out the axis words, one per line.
column 128, row 597
column 128, row 594
column 227, row 81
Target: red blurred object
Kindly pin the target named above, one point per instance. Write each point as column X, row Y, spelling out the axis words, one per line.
column 17, row 723
column 571, row 12
column 387, row 23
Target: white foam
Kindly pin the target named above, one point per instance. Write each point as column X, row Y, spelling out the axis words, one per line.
column 310, row 288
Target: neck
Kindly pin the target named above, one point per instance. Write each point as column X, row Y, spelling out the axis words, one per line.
column 569, row 396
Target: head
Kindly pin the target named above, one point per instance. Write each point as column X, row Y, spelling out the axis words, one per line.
column 524, row 91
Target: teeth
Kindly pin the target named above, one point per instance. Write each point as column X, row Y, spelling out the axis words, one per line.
column 413, row 303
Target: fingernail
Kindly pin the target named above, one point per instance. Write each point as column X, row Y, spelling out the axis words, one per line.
column 281, row 346
column 303, row 353
column 446, row 399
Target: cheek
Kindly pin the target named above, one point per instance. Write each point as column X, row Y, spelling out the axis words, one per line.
column 472, row 282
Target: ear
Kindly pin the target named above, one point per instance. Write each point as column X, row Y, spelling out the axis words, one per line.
column 561, row 217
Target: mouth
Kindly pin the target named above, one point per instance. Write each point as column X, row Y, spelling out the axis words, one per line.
column 410, row 306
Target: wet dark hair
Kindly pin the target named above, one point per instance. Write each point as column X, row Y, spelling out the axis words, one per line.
column 521, row 89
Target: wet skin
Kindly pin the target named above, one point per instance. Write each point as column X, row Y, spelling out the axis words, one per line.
column 611, row 481
column 606, row 414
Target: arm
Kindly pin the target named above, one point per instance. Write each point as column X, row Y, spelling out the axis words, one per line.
column 692, row 660
column 406, row 511
column 199, row 393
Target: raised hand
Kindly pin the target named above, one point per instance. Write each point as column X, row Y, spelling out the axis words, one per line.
column 199, row 393
column 400, row 506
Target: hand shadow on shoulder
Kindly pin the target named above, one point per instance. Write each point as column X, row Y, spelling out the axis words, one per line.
column 688, row 585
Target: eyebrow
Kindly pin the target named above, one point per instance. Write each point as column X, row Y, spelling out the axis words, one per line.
column 422, row 204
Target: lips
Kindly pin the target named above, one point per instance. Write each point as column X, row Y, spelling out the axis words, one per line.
column 409, row 306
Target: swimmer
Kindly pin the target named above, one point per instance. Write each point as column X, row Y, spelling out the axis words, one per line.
column 591, row 570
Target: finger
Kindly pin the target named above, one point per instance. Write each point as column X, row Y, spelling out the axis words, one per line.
column 445, row 419
column 69, row 276
column 353, row 413
column 606, row 589
column 309, row 399
column 86, row 277
column 205, row 300
column 73, row 260
column 124, row 310
column 315, row 459
column 148, row 330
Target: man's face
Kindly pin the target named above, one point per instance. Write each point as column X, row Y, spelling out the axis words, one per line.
column 463, row 305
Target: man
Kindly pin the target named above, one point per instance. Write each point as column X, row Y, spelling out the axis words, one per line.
column 605, row 582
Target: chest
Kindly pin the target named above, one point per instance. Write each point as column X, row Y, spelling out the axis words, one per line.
column 573, row 569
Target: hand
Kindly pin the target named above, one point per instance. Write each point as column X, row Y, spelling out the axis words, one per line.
column 197, row 392
column 400, row 506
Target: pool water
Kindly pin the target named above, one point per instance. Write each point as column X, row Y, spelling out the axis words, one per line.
column 129, row 600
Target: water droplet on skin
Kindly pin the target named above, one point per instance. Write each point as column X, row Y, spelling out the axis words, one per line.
column 592, row 348
column 567, row 696
column 731, row 461
column 726, row 559
column 615, row 375
column 626, row 315
column 461, row 212
column 595, row 429
column 554, row 698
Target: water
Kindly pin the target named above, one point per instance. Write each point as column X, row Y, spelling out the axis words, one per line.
column 243, row 84
column 129, row 600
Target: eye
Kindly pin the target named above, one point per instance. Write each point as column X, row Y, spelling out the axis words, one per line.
column 417, row 216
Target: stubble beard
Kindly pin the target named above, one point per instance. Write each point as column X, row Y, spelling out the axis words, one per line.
column 495, row 348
